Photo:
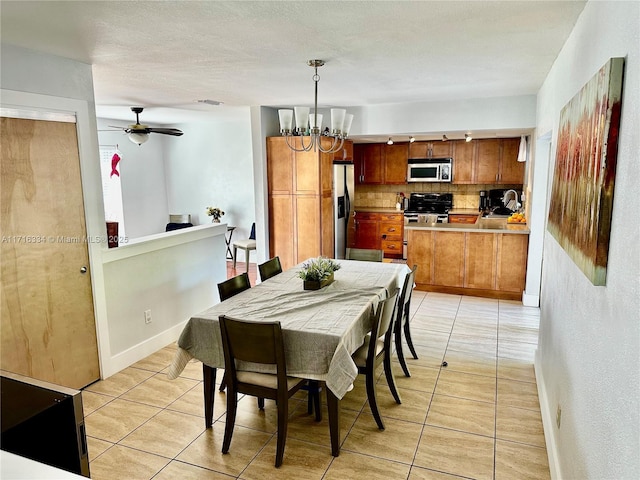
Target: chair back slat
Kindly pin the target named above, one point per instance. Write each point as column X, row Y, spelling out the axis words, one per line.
column 404, row 303
column 270, row 268
column 233, row 286
column 364, row 254
column 256, row 342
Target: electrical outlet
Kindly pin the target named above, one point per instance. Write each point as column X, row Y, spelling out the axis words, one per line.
column 147, row 316
column 558, row 415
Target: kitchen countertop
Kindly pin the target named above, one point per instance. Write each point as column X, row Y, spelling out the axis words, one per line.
column 377, row 210
column 483, row 225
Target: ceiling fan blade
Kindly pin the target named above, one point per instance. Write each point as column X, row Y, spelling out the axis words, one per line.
column 166, row 131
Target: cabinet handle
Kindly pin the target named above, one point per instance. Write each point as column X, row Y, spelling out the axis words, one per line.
column 392, row 229
column 384, row 237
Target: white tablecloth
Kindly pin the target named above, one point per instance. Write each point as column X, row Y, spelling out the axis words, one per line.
column 321, row 328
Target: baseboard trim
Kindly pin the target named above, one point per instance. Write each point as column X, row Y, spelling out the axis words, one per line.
column 142, row 350
column 548, row 421
column 530, row 300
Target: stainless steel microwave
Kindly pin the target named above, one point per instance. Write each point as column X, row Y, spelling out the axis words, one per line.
column 430, row 170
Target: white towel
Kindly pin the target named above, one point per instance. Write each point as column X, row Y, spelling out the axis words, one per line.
column 522, row 152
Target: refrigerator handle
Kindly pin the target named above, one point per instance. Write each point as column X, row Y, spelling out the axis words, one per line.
column 347, row 201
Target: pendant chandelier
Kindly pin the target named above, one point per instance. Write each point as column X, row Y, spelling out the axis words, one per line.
column 310, row 125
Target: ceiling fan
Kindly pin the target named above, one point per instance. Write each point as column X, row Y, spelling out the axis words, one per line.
column 139, row 133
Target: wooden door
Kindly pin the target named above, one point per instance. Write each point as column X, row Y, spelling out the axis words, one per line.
column 367, row 230
column 395, row 163
column 281, row 225
column 308, row 236
column 441, row 149
column 279, row 166
column 372, row 172
column 448, row 259
column 512, row 262
column 511, row 171
column 463, row 161
column 480, row 261
column 487, row 161
column 420, row 243
column 48, row 324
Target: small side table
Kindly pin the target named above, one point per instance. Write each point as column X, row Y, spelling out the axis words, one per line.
column 227, row 240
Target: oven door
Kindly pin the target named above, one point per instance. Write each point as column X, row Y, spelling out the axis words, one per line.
column 423, row 172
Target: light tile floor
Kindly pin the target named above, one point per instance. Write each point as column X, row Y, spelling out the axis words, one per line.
column 478, row 417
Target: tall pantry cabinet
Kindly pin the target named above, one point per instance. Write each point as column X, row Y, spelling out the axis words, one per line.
column 300, row 201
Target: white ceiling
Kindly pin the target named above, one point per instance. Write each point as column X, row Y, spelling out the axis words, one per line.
column 170, row 54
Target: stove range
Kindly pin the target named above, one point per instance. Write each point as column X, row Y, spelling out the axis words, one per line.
column 429, row 203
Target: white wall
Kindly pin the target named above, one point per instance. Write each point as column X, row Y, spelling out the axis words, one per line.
column 588, row 358
column 142, row 178
column 212, row 165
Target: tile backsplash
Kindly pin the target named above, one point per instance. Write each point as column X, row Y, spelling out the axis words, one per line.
column 384, row 196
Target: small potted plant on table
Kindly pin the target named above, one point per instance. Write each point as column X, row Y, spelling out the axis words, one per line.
column 318, row 273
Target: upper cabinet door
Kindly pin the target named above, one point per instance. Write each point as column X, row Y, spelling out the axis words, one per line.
column 419, row 150
column 464, row 161
column 441, row 149
column 395, row 163
column 371, row 170
column 488, row 161
column 279, row 166
column 511, row 171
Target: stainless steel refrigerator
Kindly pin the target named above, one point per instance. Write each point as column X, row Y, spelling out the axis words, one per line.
column 343, row 195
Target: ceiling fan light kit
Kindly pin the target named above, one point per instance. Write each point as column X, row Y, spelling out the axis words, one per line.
column 340, row 123
column 139, row 133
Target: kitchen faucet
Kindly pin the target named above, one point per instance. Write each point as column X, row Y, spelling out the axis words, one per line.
column 513, row 203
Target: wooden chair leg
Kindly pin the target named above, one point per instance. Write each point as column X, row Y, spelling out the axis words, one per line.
column 235, row 255
column 399, row 353
column 209, row 384
column 373, row 401
column 232, row 405
column 223, row 383
column 283, row 420
column 246, row 257
column 261, row 403
column 407, row 335
column 391, row 381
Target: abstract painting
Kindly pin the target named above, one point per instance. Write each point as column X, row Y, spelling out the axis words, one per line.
column 584, row 176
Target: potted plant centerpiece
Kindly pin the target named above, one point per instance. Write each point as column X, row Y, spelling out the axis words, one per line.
column 215, row 213
column 318, row 273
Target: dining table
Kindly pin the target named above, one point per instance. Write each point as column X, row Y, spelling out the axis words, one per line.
column 321, row 328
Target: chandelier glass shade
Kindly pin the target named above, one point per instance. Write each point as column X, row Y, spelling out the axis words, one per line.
column 309, row 124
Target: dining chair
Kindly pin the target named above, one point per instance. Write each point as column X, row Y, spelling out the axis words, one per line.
column 364, row 254
column 233, row 286
column 247, row 245
column 402, row 321
column 258, row 343
column 376, row 350
column 270, row 268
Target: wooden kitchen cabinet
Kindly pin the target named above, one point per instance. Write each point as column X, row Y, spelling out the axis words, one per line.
column 448, row 259
column 497, row 161
column 396, row 159
column 379, row 163
column 391, row 234
column 300, row 202
column 463, row 218
column 435, row 149
column 464, row 161
column 380, row 231
column 421, row 254
column 367, row 227
column 369, row 167
column 480, row 260
column 511, row 171
column 511, row 262
column 345, row 154
column 486, row 264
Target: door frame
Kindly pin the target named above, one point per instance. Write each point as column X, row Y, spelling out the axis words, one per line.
column 90, row 178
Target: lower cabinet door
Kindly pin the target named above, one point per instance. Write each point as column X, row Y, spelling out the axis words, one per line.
column 480, row 260
column 448, row 259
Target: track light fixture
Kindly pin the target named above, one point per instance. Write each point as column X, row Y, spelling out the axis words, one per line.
column 412, row 139
column 390, row 141
column 467, row 137
column 444, row 138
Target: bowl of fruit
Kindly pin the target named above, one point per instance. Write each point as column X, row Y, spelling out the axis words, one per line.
column 517, row 218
